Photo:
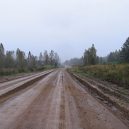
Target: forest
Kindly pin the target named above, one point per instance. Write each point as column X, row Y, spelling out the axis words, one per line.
column 90, row 56
column 12, row 62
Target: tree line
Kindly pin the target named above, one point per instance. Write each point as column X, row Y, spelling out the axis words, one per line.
column 118, row 56
column 90, row 56
column 11, row 60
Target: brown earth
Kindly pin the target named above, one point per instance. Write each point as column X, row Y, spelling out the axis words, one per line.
column 56, row 102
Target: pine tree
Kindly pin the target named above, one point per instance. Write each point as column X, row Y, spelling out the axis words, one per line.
column 125, row 51
column 2, row 55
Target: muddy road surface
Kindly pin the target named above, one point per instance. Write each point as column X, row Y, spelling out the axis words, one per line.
column 56, row 101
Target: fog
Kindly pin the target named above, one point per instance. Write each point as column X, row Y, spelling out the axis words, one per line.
column 68, row 27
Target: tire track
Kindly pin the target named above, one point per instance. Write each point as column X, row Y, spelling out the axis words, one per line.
column 16, row 89
column 92, row 114
column 27, row 110
column 62, row 124
column 53, row 117
column 57, row 102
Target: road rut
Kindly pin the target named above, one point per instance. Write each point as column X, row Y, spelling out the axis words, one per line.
column 56, row 102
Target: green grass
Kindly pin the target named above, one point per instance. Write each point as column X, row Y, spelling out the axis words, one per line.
column 116, row 73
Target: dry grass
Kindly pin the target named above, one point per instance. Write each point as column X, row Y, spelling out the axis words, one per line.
column 118, row 73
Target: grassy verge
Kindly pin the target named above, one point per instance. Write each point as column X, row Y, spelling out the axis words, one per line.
column 118, row 73
column 15, row 72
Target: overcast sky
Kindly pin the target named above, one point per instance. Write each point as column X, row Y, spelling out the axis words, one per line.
column 66, row 26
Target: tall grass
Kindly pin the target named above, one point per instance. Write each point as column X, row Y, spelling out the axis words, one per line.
column 116, row 73
column 13, row 71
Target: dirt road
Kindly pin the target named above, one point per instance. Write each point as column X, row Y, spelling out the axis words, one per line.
column 56, row 102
